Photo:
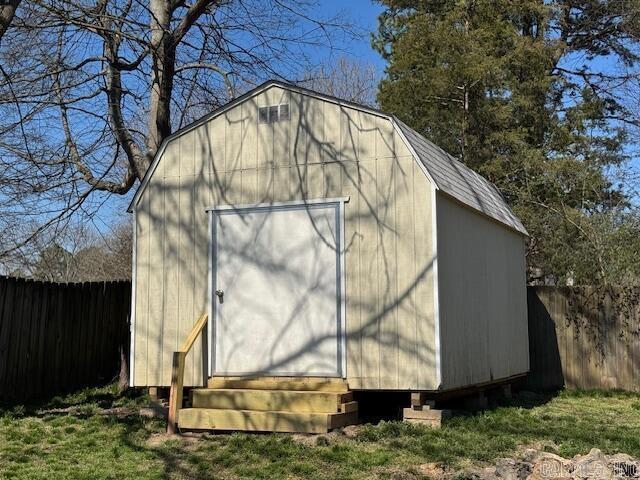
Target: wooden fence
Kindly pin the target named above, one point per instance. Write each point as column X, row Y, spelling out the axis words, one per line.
column 584, row 337
column 58, row 337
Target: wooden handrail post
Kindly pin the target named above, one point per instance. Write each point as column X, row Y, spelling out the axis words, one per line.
column 177, row 387
column 177, row 375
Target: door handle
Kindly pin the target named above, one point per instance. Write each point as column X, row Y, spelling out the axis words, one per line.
column 220, row 295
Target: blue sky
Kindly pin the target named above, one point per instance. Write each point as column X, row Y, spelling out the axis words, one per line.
column 364, row 14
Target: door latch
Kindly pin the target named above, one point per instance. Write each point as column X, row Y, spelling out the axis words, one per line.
column 220, row 295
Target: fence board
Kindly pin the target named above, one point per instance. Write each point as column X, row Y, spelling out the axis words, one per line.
column 5, row 325
column 584, row 337
column 59, row 337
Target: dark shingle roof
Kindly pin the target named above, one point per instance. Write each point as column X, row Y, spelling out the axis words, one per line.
column 459, row 181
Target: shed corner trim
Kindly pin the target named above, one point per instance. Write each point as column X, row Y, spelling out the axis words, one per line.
column 436, row 290
column 416, row 158
column 132, row 322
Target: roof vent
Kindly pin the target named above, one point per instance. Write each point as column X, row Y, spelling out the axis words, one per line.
column 273, row 113
column 284, row 112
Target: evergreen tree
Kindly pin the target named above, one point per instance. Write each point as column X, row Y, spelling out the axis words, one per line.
column 495, row 84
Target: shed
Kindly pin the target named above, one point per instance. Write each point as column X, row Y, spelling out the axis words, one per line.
column 324, row 239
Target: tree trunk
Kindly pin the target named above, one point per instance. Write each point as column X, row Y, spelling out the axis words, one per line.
column 163, row 52
column 6, row 15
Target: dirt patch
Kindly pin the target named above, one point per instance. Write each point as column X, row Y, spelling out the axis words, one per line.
column 323, row 439
column 187, row 440
column 120, row 412
column 158, row 439
column 436, row 470
column 398, row 474
column 351, row 431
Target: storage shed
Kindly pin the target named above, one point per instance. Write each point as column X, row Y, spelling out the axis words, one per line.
column 324, row 239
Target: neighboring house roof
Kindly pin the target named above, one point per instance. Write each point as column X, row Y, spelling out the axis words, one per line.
column 445, row 172
column 459, row 181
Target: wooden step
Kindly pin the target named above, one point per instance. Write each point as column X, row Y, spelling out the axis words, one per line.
column 266, row 400
column 318, row 384
column 263, row 421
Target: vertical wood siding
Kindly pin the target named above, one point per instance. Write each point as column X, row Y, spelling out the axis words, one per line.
column 325, row 150
column 483, row 298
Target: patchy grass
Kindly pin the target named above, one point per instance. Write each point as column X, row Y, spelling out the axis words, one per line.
column 570, row 423
column 97, row 434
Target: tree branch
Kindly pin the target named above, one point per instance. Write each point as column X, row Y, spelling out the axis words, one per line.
column 74, row 155
column 209, row 66
column 190, row 18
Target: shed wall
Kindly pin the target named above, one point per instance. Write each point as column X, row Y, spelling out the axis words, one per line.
column 483, row 297
column 325, row 150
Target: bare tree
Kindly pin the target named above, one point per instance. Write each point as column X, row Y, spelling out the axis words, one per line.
column 88, row 91
column 346, row 78
column 103, row 256
column 79, row 253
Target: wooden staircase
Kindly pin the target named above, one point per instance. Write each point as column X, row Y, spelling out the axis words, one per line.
column 270, row 404
column 261, row 404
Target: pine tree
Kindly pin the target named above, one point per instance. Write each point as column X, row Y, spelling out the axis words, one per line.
column 493, row 84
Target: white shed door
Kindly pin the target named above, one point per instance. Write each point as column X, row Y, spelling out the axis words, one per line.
column 276, row 285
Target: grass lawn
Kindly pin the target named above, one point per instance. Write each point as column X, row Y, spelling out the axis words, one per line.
column 96, row 434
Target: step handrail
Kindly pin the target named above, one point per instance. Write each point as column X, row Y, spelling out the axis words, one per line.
column 177, row 373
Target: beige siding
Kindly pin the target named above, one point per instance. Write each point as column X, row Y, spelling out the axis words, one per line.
column 325, row 150
column 483, row 298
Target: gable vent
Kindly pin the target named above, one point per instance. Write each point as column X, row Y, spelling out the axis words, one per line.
column 273, row 113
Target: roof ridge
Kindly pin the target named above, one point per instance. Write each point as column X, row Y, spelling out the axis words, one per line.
column 460, row 181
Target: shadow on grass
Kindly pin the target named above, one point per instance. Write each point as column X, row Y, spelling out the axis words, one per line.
column 387, row 406
column 570, row 422
column 98, row 397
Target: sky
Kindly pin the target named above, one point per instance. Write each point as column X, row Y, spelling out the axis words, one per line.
column 364, row 14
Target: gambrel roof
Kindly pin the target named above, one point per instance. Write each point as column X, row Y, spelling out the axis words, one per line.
column 459, row 181
column 447, row 174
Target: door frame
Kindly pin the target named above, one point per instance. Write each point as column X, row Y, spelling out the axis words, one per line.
column 217, row 210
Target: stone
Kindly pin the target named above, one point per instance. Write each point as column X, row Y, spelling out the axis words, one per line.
column 435, row 470
column 535, row 464
column 419, row 401
column 624, row 466
column 548, row 470
column 351, row 431
column 511, row 469
column 506, row 391
column 593, row 465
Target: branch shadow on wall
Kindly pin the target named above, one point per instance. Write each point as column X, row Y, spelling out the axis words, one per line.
column 388, row 315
